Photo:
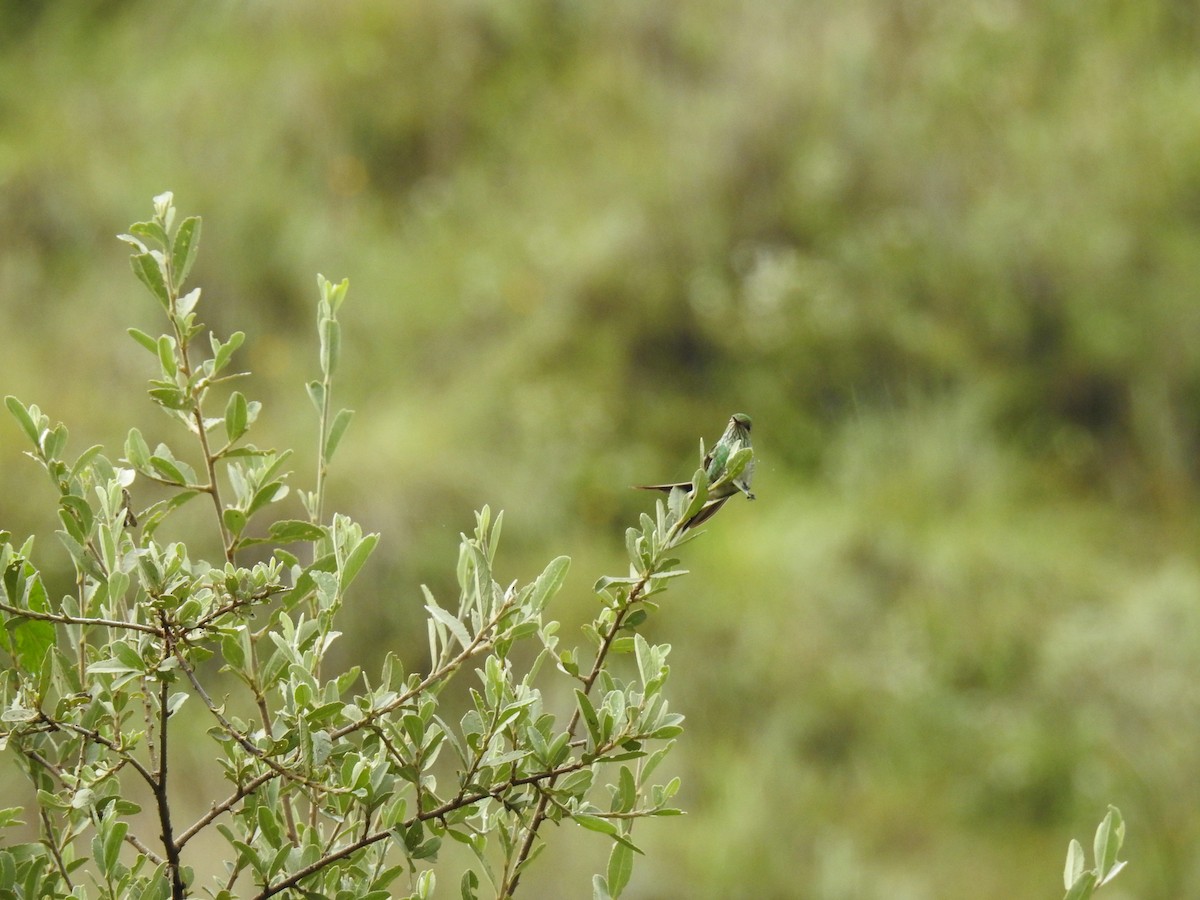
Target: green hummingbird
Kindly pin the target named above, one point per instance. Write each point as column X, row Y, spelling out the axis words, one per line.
column 736, row 436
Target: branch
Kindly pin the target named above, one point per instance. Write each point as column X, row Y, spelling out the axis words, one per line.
column 161, row 799
column 100, row 739
column 479, row 644
column 64, row 619
column 540, row 812
column 219, row 809
column 244, row 742
column 436, row 813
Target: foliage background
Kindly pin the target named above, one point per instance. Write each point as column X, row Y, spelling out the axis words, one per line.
column 944, row 254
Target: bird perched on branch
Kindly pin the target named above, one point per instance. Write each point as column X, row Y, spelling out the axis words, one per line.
column 715, row 463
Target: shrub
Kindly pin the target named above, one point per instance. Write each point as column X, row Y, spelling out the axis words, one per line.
column 340, row 782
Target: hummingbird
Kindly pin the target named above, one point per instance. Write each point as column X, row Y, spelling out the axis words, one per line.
column 735, row 436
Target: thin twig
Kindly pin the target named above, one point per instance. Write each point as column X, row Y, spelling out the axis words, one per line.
column 161, row 798
column 64, row 619
column 539, row 814
column 436, row 813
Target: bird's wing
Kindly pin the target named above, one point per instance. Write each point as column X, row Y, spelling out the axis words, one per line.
column 707, row 511
column 666, row 488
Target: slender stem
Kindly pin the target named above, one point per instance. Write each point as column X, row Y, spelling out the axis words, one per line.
column 213, row 489
column 162, row 800
column 93, row 735
column 322, row 434
column 264, row 714
column 227, row 726
column 130, row 838
column 148, row 718
column 540, row 811
column 64, row 619
column 219, row 809
column 210, row 463
column 436, row 813
column 479, row 645
column 53, row 845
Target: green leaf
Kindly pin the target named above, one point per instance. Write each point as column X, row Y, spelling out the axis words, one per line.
column 589, row 717
column 234, row 519
column 54, row 441
column 331, row 340
column 166, row 354
column 596, row 823
column 168, row 396
column 627, row 791
column 163, row 452
column 222, row 353
column 168, row 469
column 549, row 582
column 306, row 583
column 1075, row 864
column 159, row 511
column 1083, row 888
column 79, row 525
column 85, row 459
column 428, row 850
column 358, row 556
column 183, row 251
column 1106, row 844
column 235, row 647
column 268, row 824
column 607, row 581
column 340, row 423
column 245, row 452
column 185, row 304
column 235, row 416
column 333, row 294
column 112, row 844
column 288, row 531
column 10, row 816
column 31, row 638
column 647, row 664
column 24, row 419
column 275, row 464
column 110, row 666
column 268, row 493
column 177, row 700
column 454, row 625
column 316, row 393
column 568, row 663
column 137, row 453
column 1109, row 837
column 144, row 339
column 322, row 746
column 737, row 463
column 620, row 867
column 634, row 619
column 1111, row 873
column 149, row 233
column 469, row 886
column 148, row 271
column 128, row 655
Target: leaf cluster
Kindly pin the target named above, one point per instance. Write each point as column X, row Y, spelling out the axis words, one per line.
column 337, row 781
column 1081, row 882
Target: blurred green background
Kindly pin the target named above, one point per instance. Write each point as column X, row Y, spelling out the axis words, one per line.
column 944, row 253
